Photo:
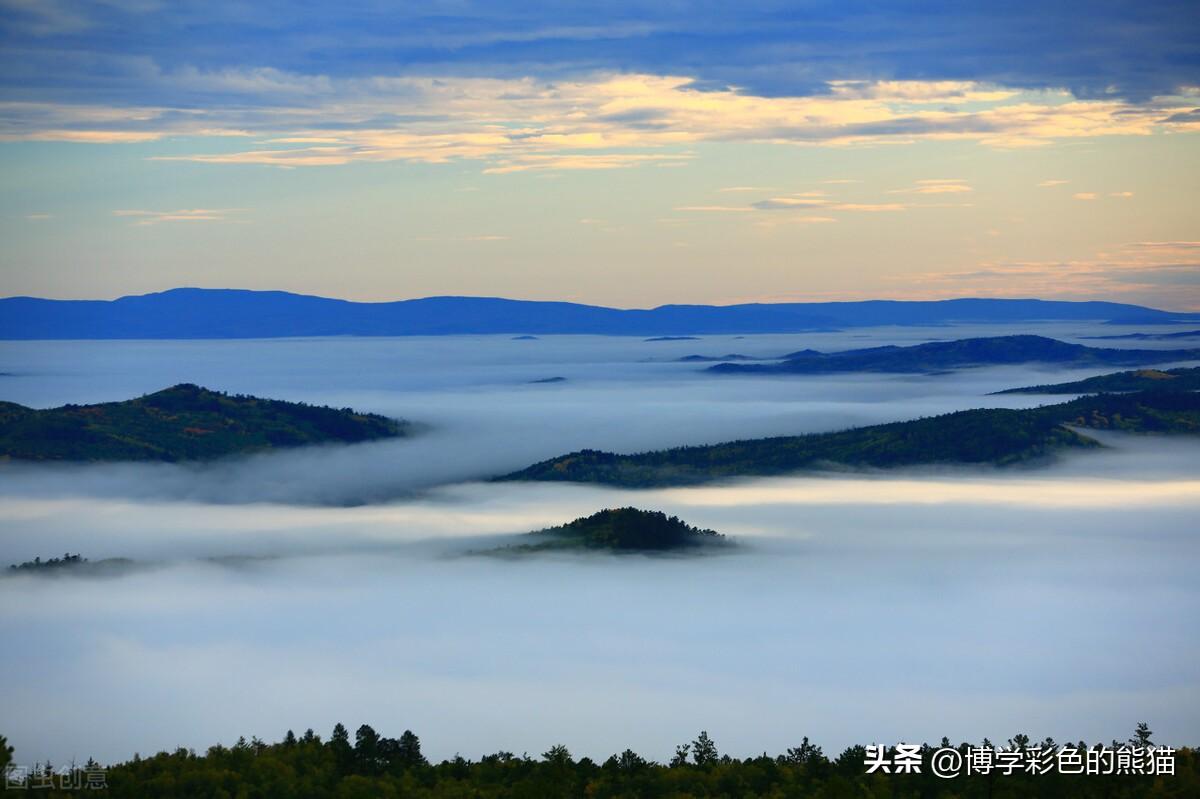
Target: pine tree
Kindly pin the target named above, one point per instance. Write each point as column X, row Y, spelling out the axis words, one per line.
column 339, row 744
column 409, row 750
column 704, row 751
column 681, row 755
column 1141, row 737
column 366, row 749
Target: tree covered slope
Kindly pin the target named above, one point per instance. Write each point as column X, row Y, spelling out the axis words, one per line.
column 618, row 530
column 184, row 422
column 940, row 355
column 1137, row 380
column 984, row 436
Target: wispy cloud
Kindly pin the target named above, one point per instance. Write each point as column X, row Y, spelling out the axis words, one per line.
column 538, row 162
column 793, row 203
column 868, row 207
column 727, row 209
column 605, row 121
column 141, row 217
column 44, row 17
column 787, row 220
column 1046, row 184
column 1093, row 195
column 1163, row 273
column 1189, row 249
column 100, row 47
column 936, row 186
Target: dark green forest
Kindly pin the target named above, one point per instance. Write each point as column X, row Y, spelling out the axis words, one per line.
column 618, row 530
column 68, row 564
column 1184, row 379
column 67, row 561
column 183, row 422
column 999, row 437
column 935, row 356
column 368, row 765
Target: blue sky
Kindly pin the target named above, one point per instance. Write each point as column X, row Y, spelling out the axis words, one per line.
column 621, row 153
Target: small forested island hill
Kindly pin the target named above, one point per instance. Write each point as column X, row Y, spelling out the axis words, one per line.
column 618, row 530
column 68, row 565
column 184, row 422
column 987, row 436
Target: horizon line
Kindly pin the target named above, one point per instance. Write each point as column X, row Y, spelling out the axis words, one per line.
column 592, row 305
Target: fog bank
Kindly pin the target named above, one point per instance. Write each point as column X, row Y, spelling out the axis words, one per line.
column 478, row 413
column 885, row 606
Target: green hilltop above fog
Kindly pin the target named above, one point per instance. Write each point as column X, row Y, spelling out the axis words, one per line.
column 1138, row 380
column 68, row 564
column 184, row 422
column 618, row 530
column 984, row 436
column 936, row 356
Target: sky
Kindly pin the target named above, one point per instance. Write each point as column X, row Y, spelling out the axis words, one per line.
column 619, row 153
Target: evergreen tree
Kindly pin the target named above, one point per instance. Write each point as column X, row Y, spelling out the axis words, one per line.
column 681, row 755
column 409, row 751
column 558, row 755
column 630, row 761
column 804, row 754
column 339, row 744
column 704, row 751
column 366, row 749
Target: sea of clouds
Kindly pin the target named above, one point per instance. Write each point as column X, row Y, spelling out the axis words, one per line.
column 332, row 584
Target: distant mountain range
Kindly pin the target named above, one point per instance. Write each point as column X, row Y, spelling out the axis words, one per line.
column 940, row 355
column 232, row 313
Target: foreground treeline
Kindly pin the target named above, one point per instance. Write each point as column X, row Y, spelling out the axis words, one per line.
column 376, row 766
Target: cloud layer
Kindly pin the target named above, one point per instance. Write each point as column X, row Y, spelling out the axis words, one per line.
column 600, row 122
column 259, row 586
column 115, row 50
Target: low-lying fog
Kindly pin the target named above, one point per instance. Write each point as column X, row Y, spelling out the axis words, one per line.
column 481, row 414
column 892, row 607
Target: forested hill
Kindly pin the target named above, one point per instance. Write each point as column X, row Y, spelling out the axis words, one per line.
column 1138, row 380
column 183, row 422
column 985, row 436
column 618, row 530
column 935, row 356
column 1181, row 334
